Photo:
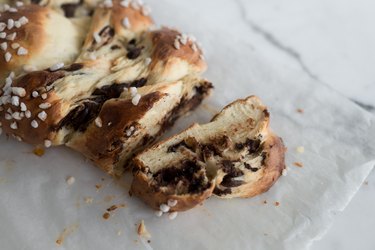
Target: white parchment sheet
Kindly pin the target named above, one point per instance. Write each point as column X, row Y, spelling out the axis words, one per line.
column 36, row 204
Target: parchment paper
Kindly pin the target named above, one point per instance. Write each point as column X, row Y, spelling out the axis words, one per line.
column 37, row 204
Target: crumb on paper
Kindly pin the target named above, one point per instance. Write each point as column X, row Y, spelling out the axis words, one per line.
column 300, row 149
column 106, row 215
column 88, row 200
column 114, row 207
column 298, row 164
column 66, row 232
column 264, row 202
column 38, row 151
column 365, row 183
column 277, row 204
column 142, row 230
column 148, row 241
column 119, row 232
column 70, row 180
column 98, row 187
column 301, row 111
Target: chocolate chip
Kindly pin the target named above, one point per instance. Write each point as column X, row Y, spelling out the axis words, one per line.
column 80, row 117
column 114, row 47
column 111, row 91
column 252, row 145
column 175, row 147
column 239, row 146
column 185, row 173
column 134, row 53
column 69, row 9
column 133, row 42
column 248, row 166
column 229, row 182
column 230, row 170
column 74, row 67
column 220, row 192
column 138, row 83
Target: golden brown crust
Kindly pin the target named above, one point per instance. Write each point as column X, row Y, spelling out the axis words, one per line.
column 42, row 37
column 36, row 81
column 273, row 168
column 31, row 36
column 164, row 49
column 138, row 21
column 114, row 18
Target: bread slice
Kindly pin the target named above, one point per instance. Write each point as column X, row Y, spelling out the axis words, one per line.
column 235, row 155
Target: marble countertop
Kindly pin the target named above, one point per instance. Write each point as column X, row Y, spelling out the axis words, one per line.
column 332, row 42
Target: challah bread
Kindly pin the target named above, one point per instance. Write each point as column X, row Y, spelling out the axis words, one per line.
column 235, row 155
column 33, row 37
column 123, row 68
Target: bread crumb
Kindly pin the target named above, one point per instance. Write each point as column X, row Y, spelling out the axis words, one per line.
column 300, row 149
column 365, row 183
column 298, row 164
column 114, row 207
column 106, row 215
column 301, row 111
column 70, row 180
column 38, row 151
column 88, row 200
column 98, row 186
column 277, row 204
column 66, row 232
column 142, row 230
column 264, row 202
column 119, row 232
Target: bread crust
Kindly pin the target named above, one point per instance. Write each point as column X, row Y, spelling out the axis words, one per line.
column 46, row 36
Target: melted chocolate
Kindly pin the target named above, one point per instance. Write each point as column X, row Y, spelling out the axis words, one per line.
column 80, row 117
column 185, row 173
column 248, row 166
column 114, row 47
column 220, row 192
column 70, row 8
column 229, row 182
column 175, row 147
column 74, row 67
column 134, row 53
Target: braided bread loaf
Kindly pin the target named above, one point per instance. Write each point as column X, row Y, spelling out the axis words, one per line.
column 107, row 98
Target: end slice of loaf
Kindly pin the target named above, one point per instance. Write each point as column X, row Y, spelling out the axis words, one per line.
column 235, row 155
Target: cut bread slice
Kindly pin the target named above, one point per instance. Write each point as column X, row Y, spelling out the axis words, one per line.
column 235, row 155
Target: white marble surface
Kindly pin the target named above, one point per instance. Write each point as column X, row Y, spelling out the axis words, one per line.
column 327, row 40
column 333, row 42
